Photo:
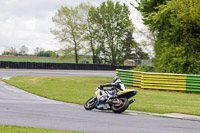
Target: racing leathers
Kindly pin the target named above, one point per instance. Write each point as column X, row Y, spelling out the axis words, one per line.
column 115, row 87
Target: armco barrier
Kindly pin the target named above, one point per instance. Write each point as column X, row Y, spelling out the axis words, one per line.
column 164, row 81
column 193, row 83
column 62, row 66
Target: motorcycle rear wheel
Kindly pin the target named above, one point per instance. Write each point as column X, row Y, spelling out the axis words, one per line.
column 90, row 104
column 119, row 108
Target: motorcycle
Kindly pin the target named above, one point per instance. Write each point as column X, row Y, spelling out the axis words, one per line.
column 117, row 104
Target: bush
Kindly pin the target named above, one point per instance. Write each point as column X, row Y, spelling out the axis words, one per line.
column 144, row 68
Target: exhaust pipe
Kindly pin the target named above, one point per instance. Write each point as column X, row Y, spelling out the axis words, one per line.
column 131, row 101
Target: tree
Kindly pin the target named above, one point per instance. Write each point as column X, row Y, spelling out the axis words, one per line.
column 48, row 53
column 66, row 52
column 37, row 50
column 91, row 35
column 112, row 26
column 147, row 7
column 70, row 28
column 177, row 29
column 139, row 54
column 23, row 50
column 10, row 51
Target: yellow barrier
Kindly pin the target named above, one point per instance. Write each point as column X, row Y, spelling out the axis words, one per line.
column 147, row 80
column 164, row 81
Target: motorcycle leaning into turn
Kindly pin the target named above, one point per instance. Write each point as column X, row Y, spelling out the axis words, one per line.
column 118, row 103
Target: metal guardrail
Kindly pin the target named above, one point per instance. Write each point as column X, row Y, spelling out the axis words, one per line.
column 160, row 81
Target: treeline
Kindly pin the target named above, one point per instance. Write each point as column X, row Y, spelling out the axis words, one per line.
column 23, row 51
column 175, row 25
column 105, row 32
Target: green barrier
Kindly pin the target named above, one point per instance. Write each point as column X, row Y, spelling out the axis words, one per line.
column 162, row 81
column 193, row 83
column 132, row 78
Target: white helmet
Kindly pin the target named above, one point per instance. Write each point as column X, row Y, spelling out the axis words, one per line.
column 116, row 80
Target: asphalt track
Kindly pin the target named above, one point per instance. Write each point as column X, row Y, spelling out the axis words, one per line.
column 18, row 107
column 17, row 72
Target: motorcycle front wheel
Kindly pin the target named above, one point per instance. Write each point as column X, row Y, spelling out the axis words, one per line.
column 91, row 103
column 121, row 106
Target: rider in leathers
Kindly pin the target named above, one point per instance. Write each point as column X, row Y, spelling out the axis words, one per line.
column 115, row 88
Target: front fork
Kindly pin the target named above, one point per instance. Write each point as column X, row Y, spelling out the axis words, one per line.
column 93, row 98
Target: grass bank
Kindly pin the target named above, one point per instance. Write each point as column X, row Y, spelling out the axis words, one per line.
column 17, row 129
column 79, row 89
column 37, row 59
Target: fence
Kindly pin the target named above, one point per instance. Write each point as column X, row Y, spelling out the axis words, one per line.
column 162, row 81
column 63, row 66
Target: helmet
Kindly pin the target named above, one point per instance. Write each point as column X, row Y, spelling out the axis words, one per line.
column 116, row 80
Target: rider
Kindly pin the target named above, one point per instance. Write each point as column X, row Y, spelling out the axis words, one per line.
column 115, row 88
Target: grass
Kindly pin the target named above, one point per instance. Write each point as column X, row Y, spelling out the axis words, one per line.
column 79, row 89
column 17, row 129
column 40, row 60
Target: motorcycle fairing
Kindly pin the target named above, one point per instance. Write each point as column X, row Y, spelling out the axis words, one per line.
column 128, row 93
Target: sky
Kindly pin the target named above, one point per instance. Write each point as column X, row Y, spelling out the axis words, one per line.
column 28, row 22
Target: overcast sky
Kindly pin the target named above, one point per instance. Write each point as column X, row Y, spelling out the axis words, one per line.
column 28, row 22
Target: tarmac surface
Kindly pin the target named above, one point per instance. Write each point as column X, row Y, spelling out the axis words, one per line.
column 43, row 72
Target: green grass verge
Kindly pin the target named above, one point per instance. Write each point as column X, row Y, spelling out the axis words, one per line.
column 17, row 129
column 40, row 60
column 79, row 89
